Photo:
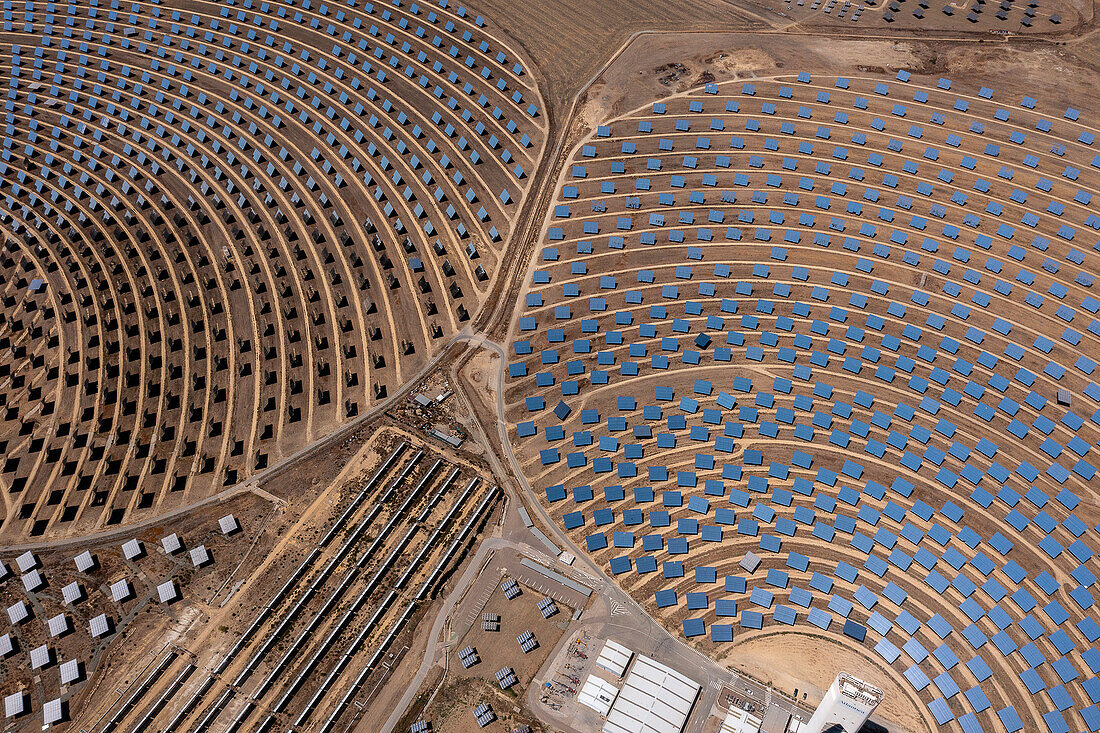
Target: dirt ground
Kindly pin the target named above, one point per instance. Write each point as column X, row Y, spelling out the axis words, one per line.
column 481, row 372
column 451, row 711
column 641, row 73
column 787, row 660
column 498, row 649
column 584, row 34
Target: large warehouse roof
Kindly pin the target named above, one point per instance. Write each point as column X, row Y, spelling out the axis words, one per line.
column 614, row 657
column 653, row 699
column 597, row 694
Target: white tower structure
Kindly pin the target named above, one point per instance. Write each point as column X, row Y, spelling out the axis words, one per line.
column 846, row 707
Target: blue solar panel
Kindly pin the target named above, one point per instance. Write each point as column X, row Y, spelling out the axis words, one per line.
column 721, row 632
column 840, row 330
column 752, row 620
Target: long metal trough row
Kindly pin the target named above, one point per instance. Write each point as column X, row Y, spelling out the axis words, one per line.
column 398, row 625
column 349, row 578
column 141, row 689
column 174, row 724
column 339, row 628
column 279, row 595
column 216, row 708
column 322, row 576
column 268, row 609
column 158, row 705
column 337, row 594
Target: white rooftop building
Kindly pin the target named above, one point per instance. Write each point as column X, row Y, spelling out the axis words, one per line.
column 26, row 561
column 171, row 543
column 71, row 672
column 653, row 699
column 99, row 626
column 167, row 592
column 200, row 556
column 58, row 625
column 72, row 593
column 15, row 704
column 228, row 524
column 18, row 613
column 133, row 549
column 85, row 562
column 614, row 658
column 32, row 581
column 597, row 694
column 53, row 711
column 40, row 657
column 740, row 721
column 121, row 590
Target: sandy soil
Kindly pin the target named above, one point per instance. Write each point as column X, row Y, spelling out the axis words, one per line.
column 451, row 712
column 644, row 69
column 788, row 659
column 584, row 35
column 499, row 648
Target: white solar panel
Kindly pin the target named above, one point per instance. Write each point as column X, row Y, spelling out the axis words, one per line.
column 17, row 612
column 32, row 581
column 132, row 549
column 166, row 591
column 40, row 656
column 171, row 543
column 53, row 712
column 70, row 672
column 84, row 561
column 99, row 626
column 228, row 524
column 7, row 646
column 200, row 556
column 72, row 593
column 14, row 704
column 58, row 625
column 120, row 590
column 750, row 561
column 26, row 561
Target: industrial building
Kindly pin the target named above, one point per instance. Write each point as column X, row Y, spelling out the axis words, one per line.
column 614, row 658
column 848, row 704
column 775, row 720
column 740, row 721
column 598, row 694
column 653, row 699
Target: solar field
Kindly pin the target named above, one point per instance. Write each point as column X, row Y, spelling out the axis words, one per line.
column 232, row 227
column 1024, row 17
column 790, row 327
column 844, row 326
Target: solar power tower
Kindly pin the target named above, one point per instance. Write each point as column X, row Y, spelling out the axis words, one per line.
column 846, row 707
